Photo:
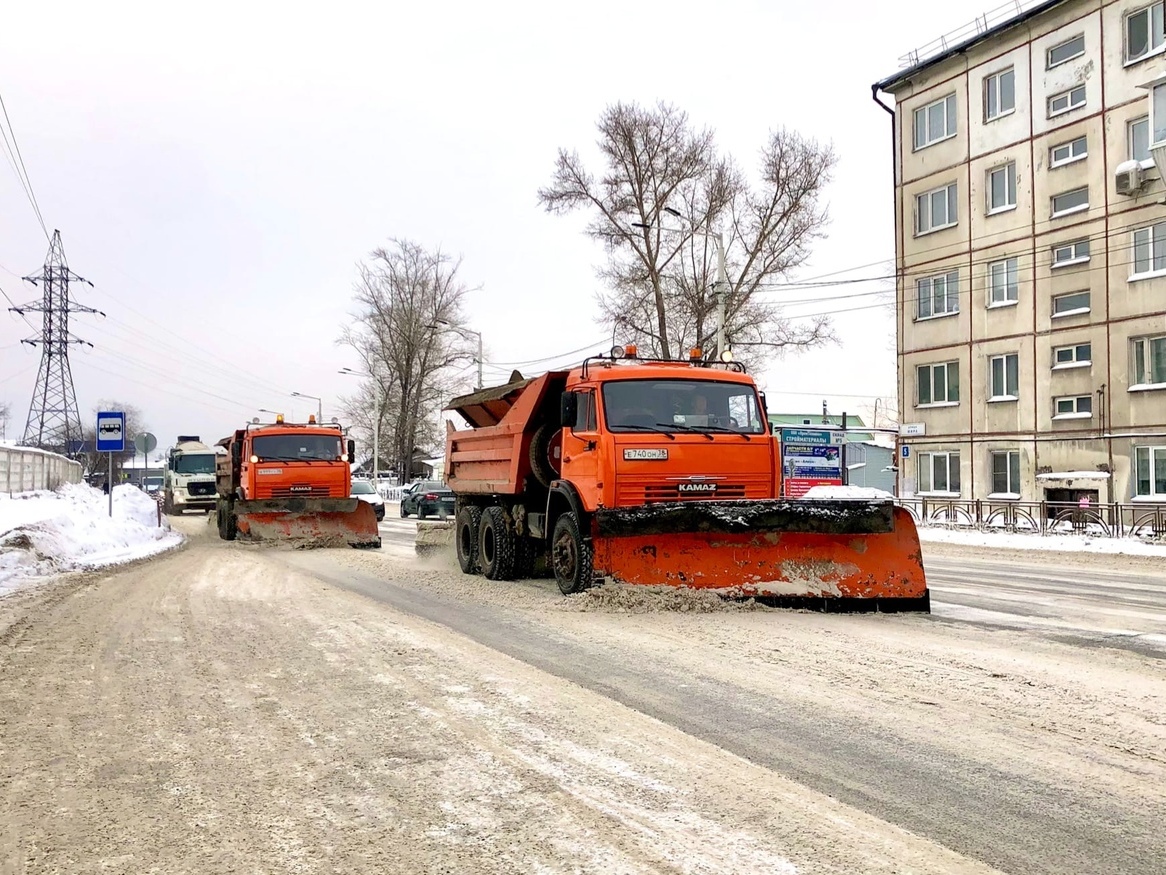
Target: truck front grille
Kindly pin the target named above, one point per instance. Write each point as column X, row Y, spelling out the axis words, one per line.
column 299, row 492
column 207, row 488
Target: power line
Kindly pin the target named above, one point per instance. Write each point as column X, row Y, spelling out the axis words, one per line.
column 25, row 180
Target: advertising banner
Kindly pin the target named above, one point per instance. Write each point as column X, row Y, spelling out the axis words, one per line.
column 810, row 458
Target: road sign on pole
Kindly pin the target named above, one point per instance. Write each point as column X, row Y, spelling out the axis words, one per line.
column 111, row 438
column 145, row 443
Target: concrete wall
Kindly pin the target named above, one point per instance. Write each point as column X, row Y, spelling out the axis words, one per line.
column 26, row 470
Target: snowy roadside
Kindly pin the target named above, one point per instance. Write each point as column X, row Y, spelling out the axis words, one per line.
column 46, row 533
column 1041, row 543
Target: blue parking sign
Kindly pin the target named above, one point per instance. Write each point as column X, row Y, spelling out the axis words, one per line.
column 111, row 432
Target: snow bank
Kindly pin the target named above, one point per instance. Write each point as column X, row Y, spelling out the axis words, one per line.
column 1034, row 542
column 45, row 533
column 864, row 492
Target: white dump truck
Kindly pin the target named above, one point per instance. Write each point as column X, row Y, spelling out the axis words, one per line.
column 190, row 476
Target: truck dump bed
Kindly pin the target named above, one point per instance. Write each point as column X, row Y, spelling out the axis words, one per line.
column 493, row 457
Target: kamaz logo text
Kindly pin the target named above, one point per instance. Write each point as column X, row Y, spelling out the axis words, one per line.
column 697, row 487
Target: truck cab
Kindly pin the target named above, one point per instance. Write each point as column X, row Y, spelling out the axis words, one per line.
column 189, row 479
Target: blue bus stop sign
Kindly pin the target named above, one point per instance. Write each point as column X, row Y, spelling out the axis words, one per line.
column 111, row 432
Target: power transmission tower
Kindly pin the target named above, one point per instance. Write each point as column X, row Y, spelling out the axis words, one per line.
column 54, row 422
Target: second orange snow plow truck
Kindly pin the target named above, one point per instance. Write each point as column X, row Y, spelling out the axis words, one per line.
column 287, row 481
column 662, row 473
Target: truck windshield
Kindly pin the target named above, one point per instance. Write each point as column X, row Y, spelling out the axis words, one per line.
column 200, row 464
column 682, row 406
column 297, row 447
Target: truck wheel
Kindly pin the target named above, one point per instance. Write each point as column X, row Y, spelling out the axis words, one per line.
column 570, row 555
column 230, row 525
column 540, row 458
column 469, row 521
column 525, row 555
column 495, row 545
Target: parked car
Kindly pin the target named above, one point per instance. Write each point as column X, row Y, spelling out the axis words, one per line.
column 365, row 491
column 427, row 498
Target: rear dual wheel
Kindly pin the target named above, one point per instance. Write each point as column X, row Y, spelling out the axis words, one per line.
column 467, row 524
column 496, row 545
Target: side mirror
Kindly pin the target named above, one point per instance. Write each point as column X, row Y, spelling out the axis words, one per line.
column 764, row 406
column 568, row 409
column 351, row 452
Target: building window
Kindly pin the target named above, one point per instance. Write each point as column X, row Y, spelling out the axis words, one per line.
column 938, row 295
column 935, row 209
column 1070, row 202
column 939, row 473
column 1076, row 356
column 937, row 384
column 1073, row 407
column 1149, row 362
column 1158, row 115
column 1065, row 254
column 1150, row 472
column 999, row 94
column 1067, row 153
column 1067, row 101
column 1004, row 373
column 935, row 122
column 1066, row 51
column 1145, row 32
column 1072, row 304
column 1006, row 473
column 1003, row 287
column 1138, row 138
column 1002, row 188
column 1149, row 250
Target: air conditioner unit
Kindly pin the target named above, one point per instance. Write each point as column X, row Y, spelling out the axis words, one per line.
column 1130, row 177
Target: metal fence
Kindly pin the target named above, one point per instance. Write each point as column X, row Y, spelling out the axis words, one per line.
column 1042, row 517
column 23, row 469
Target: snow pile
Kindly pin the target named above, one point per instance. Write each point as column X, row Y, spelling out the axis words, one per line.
column 618, row 598
column 1037, row 543
column 863, row 492
column 44, row 533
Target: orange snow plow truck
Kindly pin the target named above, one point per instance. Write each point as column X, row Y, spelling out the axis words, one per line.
column 662, row 473
column 291, row 482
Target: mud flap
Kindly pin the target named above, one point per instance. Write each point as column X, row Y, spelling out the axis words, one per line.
column 830, row 554
column 315, row 522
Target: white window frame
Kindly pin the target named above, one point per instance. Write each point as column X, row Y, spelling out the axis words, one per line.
column 1141, row 374
column 1154, row 456
column 1157, row 113
column 951, row 295
column 1151, row 240
column 1009, row 171
column 1001, row 362
column 1069, row 211
column 1004, row 277
column 1074, row 360
column 950, row 122
column 1069, row 94
column 994, row 87
column 1011, row 470
column 1050, row 63
column 948, row 400
column 1074, row 246
column 1076, row 412
column 951, row 462
column 1131, row 145
column 1076, row 311
column 951, row 201
column 1072, row 156
column 1151, row 36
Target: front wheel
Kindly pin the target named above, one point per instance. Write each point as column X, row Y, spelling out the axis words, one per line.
column 570, row 555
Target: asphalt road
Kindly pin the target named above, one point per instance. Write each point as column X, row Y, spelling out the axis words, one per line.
column 1007, row 818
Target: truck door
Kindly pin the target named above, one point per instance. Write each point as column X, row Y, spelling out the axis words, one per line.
column 581, row 450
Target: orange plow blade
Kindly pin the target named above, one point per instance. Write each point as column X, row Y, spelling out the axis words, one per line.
column 828, row 554
column 314, row 522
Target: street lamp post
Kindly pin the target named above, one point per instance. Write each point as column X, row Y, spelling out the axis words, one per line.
column 464, row 331
column 376, row 425
column 319, row 405
column 722, row 283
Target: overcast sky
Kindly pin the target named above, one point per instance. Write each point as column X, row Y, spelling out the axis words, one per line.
column 217, row 170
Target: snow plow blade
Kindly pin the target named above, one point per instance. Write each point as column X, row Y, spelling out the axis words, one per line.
column 825, row 554
column 323, row 522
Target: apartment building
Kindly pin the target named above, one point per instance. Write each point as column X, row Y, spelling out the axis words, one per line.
column 1030, row 221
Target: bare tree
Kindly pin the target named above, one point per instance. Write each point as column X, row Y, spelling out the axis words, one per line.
column 409, row 302
column 4, row 413
column 882, row 412
column 665, row 192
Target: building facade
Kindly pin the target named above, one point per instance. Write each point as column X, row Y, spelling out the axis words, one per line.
column 1031, row 257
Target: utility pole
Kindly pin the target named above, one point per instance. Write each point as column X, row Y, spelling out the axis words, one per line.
column 54, row 422
column 722, row 285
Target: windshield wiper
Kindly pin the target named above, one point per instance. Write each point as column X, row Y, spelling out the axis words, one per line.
column 648, row 428
column 724, row 429
column 686, row 428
